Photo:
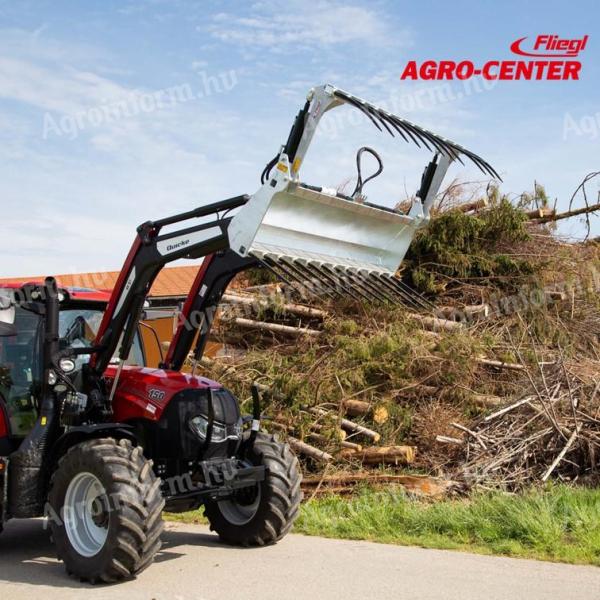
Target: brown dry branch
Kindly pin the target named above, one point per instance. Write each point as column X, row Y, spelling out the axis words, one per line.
column 548, row 433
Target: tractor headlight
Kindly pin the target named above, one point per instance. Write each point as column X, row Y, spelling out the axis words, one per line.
column 199, row 426
column 67, row 365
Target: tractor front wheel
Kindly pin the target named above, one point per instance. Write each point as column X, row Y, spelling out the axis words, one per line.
column 105, row 510
column 262, row 514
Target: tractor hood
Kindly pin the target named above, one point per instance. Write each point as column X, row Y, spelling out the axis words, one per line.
column 144, row 393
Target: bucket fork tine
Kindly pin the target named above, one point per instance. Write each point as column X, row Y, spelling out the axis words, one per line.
column 364, row 284
column 297, row 283
column 315, row 281
column 346, row 282
column 390, row 288
column 375, row 282
column 315, row 268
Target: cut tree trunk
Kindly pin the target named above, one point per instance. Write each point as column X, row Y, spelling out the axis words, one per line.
column 360, row 429
column 388, row 454
column 488, row 362
column 420, row 390
column 378, row 413
column 420, row 484
column 486, row 401
column 265, row 288
column 435, row 324
column 349, row 425
column 340, row 434
column 444, row 439
column 467, row 313
column 554, row 296
column 295, row 309
column 317, row 437
column 474, row 206
column 568, row 214
column 541, row 213
column 308, row 450
column 274, row 328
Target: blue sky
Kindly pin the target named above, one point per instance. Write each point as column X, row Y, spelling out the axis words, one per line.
column 73, row 195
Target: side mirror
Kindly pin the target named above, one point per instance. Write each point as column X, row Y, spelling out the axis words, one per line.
column 7, row 329
column 7, row 317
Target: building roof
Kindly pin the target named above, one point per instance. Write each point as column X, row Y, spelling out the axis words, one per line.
column 171, row 282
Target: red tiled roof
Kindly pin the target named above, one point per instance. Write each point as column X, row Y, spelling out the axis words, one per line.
column 174, row 281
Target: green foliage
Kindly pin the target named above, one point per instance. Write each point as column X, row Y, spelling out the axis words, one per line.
column 538, row 198
column 558, row 523
column 260, row 276
column 456, row 246
column 348, row 327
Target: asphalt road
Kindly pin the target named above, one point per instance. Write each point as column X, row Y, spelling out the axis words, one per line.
column 194, row 566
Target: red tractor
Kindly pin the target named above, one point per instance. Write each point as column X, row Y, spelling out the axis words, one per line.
column 101, row 445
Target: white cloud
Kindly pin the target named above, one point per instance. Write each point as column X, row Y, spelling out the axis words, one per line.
column 54, row 87
column 298, row 25
column 73, row 204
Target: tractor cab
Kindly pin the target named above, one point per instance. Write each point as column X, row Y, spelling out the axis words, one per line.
column 21, row 343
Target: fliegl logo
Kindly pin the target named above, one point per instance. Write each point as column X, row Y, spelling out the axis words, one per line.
column 550, row 46
column 550, row 58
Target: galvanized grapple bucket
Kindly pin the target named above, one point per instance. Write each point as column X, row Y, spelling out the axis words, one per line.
column 320, row 238
column 334, row 244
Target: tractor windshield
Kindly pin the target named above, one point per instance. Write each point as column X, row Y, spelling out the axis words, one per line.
column 21, row 371
column 21, row 358
column 78, row 328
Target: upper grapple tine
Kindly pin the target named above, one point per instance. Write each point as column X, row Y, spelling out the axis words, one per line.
column 442, row 144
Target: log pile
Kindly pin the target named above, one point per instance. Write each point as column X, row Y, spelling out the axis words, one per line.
column 493, row 450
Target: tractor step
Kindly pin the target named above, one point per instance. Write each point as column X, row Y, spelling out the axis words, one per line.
column 222, row 477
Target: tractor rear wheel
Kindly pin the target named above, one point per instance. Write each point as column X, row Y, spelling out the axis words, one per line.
column 105, row 510
column 262, row 514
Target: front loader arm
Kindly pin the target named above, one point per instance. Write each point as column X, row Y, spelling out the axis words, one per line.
column 150, row 252
column 196, row 318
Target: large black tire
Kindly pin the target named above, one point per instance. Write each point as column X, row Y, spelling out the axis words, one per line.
column 127, row 518
column 264, row 514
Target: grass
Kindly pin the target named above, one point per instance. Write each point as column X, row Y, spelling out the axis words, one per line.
column 558, row 523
